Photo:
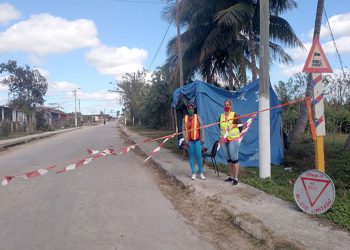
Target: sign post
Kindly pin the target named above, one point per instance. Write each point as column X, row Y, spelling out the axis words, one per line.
column 317, row 63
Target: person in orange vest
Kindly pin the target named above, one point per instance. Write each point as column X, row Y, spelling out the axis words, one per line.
column 194, row 138
column 230, row 130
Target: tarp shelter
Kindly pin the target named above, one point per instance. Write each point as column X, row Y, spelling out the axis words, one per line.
column 209, row 102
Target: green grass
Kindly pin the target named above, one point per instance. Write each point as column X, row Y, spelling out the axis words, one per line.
column 299, row 158
column 16, row 135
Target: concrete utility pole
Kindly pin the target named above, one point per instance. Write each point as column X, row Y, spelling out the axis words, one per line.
column 75, row 107
column 179, row 45
column 264, row 95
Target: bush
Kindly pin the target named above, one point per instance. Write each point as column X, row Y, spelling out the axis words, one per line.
column 5, row 128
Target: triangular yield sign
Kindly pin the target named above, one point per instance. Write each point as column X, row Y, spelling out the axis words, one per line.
column 316, row 61
column 315, row 194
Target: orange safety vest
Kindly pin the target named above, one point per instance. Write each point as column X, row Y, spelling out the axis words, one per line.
column 192, row 133
column 233, row 131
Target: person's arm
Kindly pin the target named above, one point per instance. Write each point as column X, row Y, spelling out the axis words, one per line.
column 238, row 122
column 184, row 130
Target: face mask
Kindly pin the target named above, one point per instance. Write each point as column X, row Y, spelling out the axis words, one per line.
column 227, row 109
column 190, row 112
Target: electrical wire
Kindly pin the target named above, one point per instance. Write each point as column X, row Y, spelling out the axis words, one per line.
column 160, row 45
column 335, row 45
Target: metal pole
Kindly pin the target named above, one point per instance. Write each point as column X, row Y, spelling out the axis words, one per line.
column 75, row 108
column 179, row 45
column 264, row 97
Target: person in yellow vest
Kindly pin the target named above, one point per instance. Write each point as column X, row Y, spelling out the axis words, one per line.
column 230, row 130
column 194, row 138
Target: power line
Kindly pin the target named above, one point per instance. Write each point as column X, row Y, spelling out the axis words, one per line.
column 335, row 45
column 160, row 45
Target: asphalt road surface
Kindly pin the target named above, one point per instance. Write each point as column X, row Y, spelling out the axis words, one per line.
column 111, row 203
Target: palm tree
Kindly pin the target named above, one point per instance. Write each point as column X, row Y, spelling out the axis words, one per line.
column 300, row 125
column 222, row 37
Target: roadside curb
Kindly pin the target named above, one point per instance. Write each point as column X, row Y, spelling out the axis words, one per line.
column 278, row 224
column 246, row 222
column 5, row 144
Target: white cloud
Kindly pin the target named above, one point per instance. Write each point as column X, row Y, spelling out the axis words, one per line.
column 340, row 25
column 287, row 71
column 298, row 54
column 3, row 88
column 55, row 88
column 117, row 61
column 8, row 12
column 45, row 34
column 342, row 45
column 45, row 73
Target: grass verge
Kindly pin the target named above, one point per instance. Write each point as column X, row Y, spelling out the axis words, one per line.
column 298, row 158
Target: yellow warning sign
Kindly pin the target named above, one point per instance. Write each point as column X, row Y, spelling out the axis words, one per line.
column 316, row 61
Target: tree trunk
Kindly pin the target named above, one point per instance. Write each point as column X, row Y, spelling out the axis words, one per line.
column 347, row 143
column 299, row 128
column 300, row 125
column 230, row 76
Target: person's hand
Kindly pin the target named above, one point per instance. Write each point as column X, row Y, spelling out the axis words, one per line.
column 202, row 142
column 223, row 140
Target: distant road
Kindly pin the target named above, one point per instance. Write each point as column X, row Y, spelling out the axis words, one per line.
column 111, row 203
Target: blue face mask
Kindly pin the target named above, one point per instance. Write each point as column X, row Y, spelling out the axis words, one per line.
column 190, row 112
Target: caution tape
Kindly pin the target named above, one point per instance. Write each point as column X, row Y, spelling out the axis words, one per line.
column 153, row 153
column 311, row 120
column 41, row 171
column 95, row 154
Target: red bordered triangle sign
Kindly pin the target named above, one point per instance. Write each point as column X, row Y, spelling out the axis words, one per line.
column 316, row 61
column 314, row 193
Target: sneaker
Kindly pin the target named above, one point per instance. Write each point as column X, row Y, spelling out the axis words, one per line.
column 229, row 179
column 235, row 182
column 193, row 177
column 202, row 176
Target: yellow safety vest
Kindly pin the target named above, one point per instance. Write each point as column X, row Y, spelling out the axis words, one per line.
column 233, row 131
column 192, row 133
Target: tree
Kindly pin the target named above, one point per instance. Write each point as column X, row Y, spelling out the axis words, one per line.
column 337, row 88
column 219, row 44
column 27, row 87
column 156, row 107
column 347, row 144
column 134, row 89
column 300, row 125
column 337, row 92
column 291, row 90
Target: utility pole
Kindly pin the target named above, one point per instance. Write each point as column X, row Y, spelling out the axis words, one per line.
column 75, row 108
column 179, row 45
column 79, row 113
column 264, row 95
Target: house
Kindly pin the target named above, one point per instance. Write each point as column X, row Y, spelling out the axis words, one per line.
column 15, row 119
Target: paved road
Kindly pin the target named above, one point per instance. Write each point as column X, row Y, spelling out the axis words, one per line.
column 111, row 203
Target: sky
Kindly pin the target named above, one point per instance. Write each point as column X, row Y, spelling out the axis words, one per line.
column 88, row 45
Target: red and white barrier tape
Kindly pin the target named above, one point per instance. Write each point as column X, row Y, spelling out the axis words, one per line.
column 246, row 126
column 154, row 152
column 95, row 154
column 41, row 171
column 127, row 149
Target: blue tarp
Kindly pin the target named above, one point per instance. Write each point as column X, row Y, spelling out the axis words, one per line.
column 209, row 101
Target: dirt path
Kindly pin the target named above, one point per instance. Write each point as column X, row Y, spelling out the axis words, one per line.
column 204, row 214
